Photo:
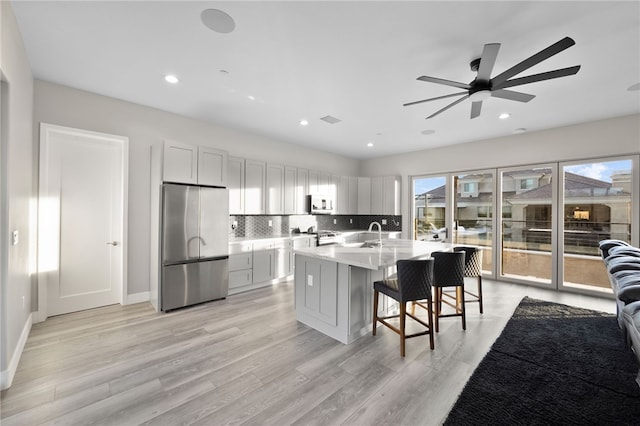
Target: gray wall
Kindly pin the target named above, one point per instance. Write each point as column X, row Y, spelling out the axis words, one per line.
column 61, row 105
column 17, row 188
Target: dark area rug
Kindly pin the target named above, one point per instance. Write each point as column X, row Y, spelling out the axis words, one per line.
column 553, row 364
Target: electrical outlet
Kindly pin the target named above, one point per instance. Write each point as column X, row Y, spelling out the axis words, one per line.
column 335, row 221
column 384, row 221
column 310, row 280
column 234, row 224
column 350, row 221
column 270, row 223
column 15, row 238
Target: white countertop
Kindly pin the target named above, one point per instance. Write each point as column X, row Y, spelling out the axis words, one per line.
column 374, row 257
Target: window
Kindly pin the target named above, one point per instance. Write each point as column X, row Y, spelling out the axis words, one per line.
column 469, row 187
column 527, row 183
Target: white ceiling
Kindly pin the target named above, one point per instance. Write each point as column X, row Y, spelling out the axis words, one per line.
column 357, row 61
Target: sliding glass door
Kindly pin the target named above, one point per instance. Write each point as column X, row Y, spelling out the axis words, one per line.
column 473, row 207
column 597, row 204
column 430, row 209
column 527, row 223
column 537, row 224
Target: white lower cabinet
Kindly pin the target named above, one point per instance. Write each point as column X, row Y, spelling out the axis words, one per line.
column 240, row 266
column 260, row 263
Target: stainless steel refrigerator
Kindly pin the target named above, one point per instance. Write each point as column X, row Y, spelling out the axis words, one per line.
column 195, row 245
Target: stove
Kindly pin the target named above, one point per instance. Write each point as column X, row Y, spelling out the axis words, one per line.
column 328, row 237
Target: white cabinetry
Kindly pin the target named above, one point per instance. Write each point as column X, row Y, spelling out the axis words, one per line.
column 254, row 185
column 376, row 195
column 264, row 262
column 364, row 195
column 302, row 189
column 212, row 166
column 187, row 163
column 240, row 266
column 353, row 195
column 346, row 195
column 289, row 194
column 275, row 189
column 180, row 162
column 235, row 183
column 391, row 195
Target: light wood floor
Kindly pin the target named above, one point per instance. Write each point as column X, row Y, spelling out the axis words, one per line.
column 245, row 360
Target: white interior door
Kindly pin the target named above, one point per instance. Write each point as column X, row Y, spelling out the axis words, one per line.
column 82, row 205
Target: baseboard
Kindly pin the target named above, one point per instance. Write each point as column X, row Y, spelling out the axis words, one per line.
column 137, row 298
column 6, row 376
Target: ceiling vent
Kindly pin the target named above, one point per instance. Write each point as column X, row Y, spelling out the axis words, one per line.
column 331, row 120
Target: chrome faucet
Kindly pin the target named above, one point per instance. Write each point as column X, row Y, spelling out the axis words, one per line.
column 379, row 231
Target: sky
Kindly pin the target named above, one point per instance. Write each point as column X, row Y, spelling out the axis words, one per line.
column 601, row 171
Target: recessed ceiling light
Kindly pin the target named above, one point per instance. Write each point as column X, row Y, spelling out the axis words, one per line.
column 304, row 122
column 520, row 130
column 169, row 78
column 428, row 132
column 634, row 87
column 504, row 116
column 369, row 144
column 217, row 21
column 251, row 98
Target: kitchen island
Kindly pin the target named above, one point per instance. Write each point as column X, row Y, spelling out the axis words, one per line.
column 333, row 284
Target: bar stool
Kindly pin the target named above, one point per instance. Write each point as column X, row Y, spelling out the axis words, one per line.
column 473, row 268
column 413, row 283
column 448, row 271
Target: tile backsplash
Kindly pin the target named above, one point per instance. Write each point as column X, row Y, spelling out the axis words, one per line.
column 275, row 225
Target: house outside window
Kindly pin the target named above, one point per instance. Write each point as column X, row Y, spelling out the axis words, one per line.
column 527, row 183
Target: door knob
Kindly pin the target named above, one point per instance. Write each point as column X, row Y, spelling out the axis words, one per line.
column 113, row 243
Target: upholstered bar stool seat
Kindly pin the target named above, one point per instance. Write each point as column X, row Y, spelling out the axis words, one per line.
column 413, row 282
column 473, row 269
column 448, row 271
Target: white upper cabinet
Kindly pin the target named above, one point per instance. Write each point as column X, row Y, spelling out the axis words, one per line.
column 302, row 190
column 254, row 187
column 193, row 164
column 364, row 195
column 376, row 195
column 180, row 162
column 290, row 174
column 353, row 195
column 275, row 189
column 235, row 183
column 212, row 166
column 391, row 195
column 347, row 195
column 314, row 182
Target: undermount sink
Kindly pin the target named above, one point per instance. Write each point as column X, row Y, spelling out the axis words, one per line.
column 366, row 244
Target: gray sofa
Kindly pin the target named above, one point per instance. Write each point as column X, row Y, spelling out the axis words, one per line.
column 623, row 266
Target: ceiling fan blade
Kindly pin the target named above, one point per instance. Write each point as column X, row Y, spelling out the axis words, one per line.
column 475, row 108
column 539, row 77
column 555, row 48
column 445, row 82
column 448, row 106
column 512, row 95
column 487, row 60
column 435, row 99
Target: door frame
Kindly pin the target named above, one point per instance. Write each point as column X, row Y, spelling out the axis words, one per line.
column 46, row 130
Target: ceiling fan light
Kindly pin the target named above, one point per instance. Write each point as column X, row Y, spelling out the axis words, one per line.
column 480, row 95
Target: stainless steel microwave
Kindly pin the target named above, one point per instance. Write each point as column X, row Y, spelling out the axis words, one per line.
column 319, row 204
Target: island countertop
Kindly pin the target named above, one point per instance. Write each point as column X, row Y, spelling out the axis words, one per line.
column 376, row 257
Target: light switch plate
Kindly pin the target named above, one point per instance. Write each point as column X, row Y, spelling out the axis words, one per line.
column 270, row 223
column 384, row 221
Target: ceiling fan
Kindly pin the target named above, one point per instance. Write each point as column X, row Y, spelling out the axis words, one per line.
column 484, row 86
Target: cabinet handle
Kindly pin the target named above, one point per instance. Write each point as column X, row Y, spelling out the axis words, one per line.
column 113, row 243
